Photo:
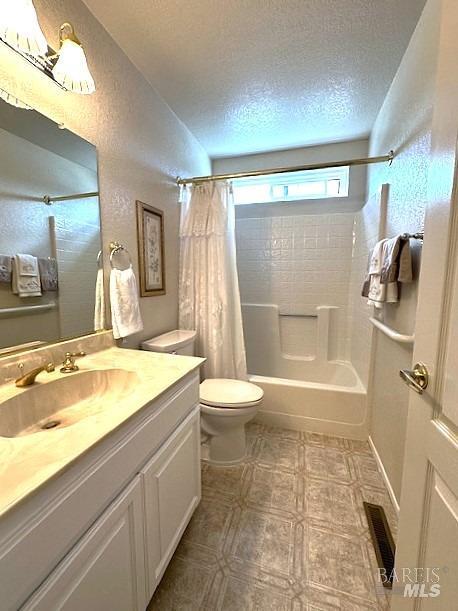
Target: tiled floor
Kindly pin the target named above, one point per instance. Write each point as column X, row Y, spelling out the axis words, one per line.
column 284, row 531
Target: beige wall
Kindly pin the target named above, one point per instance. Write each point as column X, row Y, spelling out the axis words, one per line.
column 403, row 124
column 142, row 146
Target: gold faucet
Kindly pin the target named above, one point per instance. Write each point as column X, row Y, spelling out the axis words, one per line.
column 29, row 378
column 68, row 366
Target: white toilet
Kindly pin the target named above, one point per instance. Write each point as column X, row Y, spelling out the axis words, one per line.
column 225, row 405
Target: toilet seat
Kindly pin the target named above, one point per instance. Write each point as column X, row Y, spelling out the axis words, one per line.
column 229, row 394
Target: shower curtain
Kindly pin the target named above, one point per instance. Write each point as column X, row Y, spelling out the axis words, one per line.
column 209, row 299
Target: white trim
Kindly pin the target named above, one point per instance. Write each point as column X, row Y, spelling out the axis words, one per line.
column 384, row 475
column 312, row 425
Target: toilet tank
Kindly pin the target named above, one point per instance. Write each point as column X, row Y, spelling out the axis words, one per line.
column 180, row 341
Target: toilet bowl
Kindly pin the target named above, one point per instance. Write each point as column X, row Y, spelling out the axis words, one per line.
column 226, row 405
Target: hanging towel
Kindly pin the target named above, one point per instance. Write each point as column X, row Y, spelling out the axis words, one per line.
column 371, row 287
column 382, row 293
column 26, row 276
column 397, row 261
column 389, row 263
column 405, row 271
column 376, row 259
column 125, row 309
column 48, row 274
column 99, row 310
column 27, row 265
column 5, row 269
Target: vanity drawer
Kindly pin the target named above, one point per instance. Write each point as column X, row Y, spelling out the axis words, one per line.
column 41, row 531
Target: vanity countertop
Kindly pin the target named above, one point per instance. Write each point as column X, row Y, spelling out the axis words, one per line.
column 27, row 462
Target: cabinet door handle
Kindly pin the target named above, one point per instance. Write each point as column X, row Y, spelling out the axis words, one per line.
column 417, row 378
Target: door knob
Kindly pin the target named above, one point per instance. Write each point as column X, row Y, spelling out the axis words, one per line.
column 416, row 378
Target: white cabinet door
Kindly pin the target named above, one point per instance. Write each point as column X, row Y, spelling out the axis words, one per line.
column 172, row 492
column 105, row 571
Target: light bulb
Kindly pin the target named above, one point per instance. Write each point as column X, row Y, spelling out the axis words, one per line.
column 71, row 69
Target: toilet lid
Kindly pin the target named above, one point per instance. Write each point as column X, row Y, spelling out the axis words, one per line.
column 221, row 392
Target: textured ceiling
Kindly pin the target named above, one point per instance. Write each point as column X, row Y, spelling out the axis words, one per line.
column 255, row 75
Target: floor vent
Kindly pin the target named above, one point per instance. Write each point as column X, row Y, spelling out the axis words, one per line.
column 381, row 539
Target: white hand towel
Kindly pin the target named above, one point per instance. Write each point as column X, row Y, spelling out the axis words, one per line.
column 125, row 309
column 380, row 293
column 376, row 260
column 27, row 265
column 99, row 310
column 26, row 276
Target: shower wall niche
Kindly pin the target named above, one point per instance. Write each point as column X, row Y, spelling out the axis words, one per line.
column 299, row 263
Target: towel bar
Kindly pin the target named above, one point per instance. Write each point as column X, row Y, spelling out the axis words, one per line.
column 414, row 236
column 391, row 333
column 115, row 248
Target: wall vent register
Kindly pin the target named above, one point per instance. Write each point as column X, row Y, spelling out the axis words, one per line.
column 382, row 540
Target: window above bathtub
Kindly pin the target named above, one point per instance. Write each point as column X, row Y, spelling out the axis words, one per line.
column 292, row 186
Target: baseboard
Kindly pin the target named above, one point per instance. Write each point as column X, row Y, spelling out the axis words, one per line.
column 393, row 498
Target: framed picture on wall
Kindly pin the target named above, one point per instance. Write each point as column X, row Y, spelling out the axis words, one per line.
column 150, row 226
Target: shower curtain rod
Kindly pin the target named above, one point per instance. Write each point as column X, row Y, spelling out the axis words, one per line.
column 295, row 168
column 48, row 200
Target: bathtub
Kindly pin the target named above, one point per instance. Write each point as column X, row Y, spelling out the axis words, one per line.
column 312, row 393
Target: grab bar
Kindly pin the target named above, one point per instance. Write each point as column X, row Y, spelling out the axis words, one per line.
column 298, row 315
column 391, row 333
column 26, row 310
column 298, row 311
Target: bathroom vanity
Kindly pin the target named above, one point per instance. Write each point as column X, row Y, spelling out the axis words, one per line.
column 92, row 510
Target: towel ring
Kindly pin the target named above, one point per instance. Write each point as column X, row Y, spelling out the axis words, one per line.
column 116, row 248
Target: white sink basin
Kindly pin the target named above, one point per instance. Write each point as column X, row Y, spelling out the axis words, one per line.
column 64, row 401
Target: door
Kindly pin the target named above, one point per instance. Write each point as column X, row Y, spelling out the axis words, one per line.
column 105, row 570
column 428, row 527
column 171, row 482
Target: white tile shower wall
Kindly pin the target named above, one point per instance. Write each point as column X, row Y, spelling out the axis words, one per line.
column 78, row 244
column 297, row 262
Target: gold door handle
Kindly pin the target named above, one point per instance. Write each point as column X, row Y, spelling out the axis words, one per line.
column 417, row 379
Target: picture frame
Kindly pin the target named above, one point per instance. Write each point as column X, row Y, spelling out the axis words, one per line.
column 150, row 233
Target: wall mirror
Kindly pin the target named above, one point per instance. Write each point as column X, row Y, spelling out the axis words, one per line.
column 50, row 245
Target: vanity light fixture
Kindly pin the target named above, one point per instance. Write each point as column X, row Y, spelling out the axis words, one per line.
column 13, row 100
column 20, row 29
column 71, row 69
